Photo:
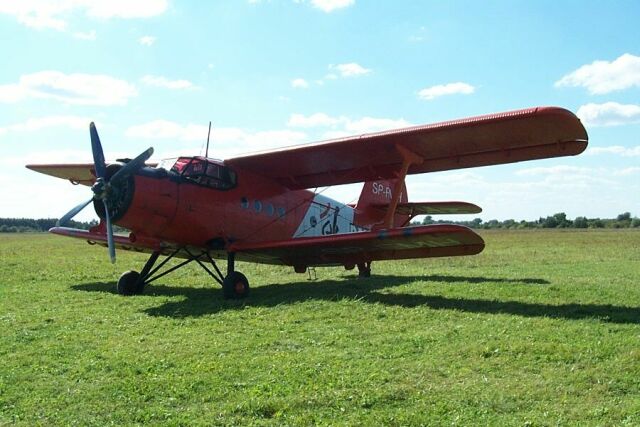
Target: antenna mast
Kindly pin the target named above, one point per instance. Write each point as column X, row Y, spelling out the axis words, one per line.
column 206, row 153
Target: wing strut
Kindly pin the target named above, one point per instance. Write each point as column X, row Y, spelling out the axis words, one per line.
column 408, row 158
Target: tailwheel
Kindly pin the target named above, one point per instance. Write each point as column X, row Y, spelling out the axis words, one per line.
column 364, row 270
column 235, row 286
column 128, row 284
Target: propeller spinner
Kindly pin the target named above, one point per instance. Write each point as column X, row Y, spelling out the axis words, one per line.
column 104, row 185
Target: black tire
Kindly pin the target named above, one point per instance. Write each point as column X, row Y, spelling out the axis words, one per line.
column 235, row 286
column 128, row 283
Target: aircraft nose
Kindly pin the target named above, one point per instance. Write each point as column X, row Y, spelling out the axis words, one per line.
column 118, row 195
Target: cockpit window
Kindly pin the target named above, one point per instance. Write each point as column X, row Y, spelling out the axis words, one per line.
column 180, row 164
column 195, row 168
column 205, row 172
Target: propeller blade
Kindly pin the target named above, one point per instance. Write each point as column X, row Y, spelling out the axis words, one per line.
column 98, row 154
column 73, row 212
column 110, row 244
column 132, row 166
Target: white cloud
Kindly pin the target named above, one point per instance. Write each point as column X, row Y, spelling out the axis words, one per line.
column 50, row 156
column 91, row 35
column 331, row 5
column 299, row 83
column 350, row 69
column 147, row 40
column 124, row 9
column 165, row 129
column 347, row 70
column 227, row 141
column 615, row 149
column 601, row 77
column 35, row 124
column 314, row 120
column 627, row 171
column 75, row 89
column 554, row 170
column 418, row 37
column 446, row 89
column 609, row 114
column 44, row 14
column 372, row 124
column 343, row 126
column 160, row 81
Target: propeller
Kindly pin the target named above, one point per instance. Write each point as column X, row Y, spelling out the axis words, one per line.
column 105, row 186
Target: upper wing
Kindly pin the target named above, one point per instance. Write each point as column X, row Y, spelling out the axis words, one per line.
column 509, row 137
column 352, row 248
column 78, row 173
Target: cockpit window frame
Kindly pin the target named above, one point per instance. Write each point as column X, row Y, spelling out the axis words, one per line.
column 203, row 178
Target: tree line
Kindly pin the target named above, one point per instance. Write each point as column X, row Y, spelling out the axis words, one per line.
column 559, row 220
column 30, row 225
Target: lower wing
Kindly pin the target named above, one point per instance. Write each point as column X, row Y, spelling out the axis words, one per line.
column 338, row 249
column 100, row 238
column 353, row 248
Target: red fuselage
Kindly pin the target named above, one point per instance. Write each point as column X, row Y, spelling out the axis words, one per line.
column 170, row 206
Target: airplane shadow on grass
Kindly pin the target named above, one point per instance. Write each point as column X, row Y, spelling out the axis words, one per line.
column 204, row 301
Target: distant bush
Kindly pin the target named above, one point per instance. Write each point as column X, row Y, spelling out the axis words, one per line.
column 558, row 220
column 25, row 225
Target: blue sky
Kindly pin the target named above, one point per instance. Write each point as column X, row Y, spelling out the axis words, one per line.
column 282, row 72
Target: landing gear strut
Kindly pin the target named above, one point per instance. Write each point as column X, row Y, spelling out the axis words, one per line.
column 364, row 270
column 234, row 285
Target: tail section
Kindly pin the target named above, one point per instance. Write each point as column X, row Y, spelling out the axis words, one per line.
column 370, row 210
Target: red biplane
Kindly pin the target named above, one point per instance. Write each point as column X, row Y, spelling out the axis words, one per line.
column 257, row 207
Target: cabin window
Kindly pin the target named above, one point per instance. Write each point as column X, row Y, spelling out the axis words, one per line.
column 270, row 209
column 244, row 202
column 205, row 172
column 257, row 205
column 281, row 213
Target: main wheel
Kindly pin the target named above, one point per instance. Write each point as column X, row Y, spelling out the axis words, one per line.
column 235, row 286
column 128, row 283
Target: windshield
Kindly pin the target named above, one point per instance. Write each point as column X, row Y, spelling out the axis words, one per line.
column 166, row 164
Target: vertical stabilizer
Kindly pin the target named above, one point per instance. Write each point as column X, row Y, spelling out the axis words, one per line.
column 374, row 201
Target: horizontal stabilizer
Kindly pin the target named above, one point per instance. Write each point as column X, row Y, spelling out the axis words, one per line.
column 352, row 248
column 434, row 208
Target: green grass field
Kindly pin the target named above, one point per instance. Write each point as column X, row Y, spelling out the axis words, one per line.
column 542, row 328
